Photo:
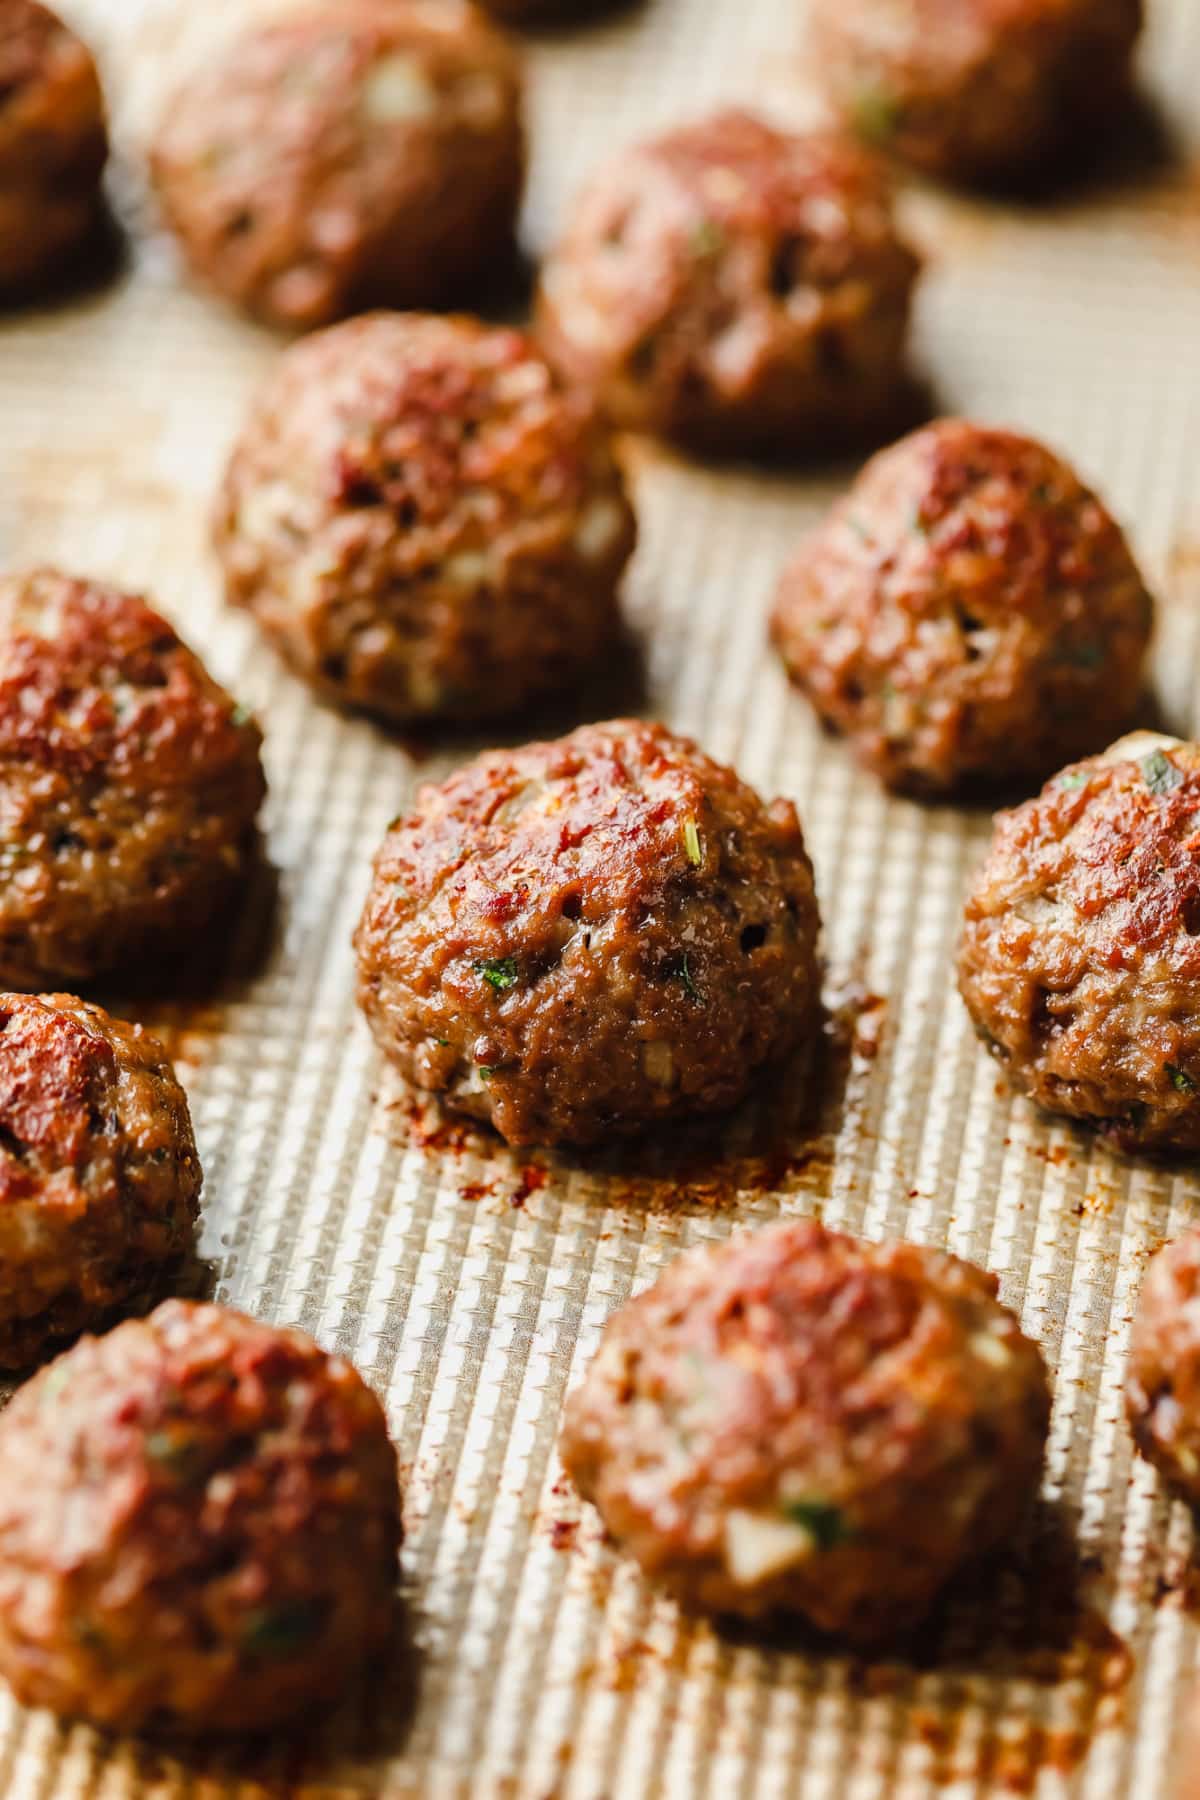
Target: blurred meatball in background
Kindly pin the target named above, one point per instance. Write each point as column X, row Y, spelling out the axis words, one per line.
column 53, row 146
column 969, row 615
column 366, row 154
column 577, row 940
column 994, row 92
column 1162, row 1389
column 424, row 522
column 1080, row 955
column 735, row 287
column 800, row 1421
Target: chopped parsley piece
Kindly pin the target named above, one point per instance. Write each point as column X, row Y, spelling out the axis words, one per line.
column 278, row 1630
column 875, row 114
column 825, row 1524
column 487, row 1070
column 691, row 843
column 685, row 975
column 707, row 239
column 241, row 715
column 1180, row 1079
column 1071, row 780
column 499, row 973
column 1159, row 773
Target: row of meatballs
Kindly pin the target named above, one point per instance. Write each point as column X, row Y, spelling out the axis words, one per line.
column 373, row 153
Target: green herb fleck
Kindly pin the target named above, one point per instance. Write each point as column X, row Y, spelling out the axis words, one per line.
column 1074, row 778
column 1159, row 773
column 707, row 239
column 856, row 525
column 55, row 1382
column 691, row 843
column 444, row 1042
column 825, row 1524
column 685, row 975
column 277, row 1630
column 1180, row 1079
column 1083, row 656
column 487, row 1070
column 500, row 973
column 179, row 1456
column 1042, row 494
column 875, row 114
column 241, row 715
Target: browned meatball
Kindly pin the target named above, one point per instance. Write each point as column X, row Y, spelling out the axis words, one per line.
column 1162, row 1389
column 579, row 939
column 969, row 614
column 735, row 287
column 199, row 1523
column 129, row 783
column 801, row 1421
column 369, row 153
column 978, row 90
column 53, row 144
column 426, row 525
column 99, row 1178
column 1080, row 957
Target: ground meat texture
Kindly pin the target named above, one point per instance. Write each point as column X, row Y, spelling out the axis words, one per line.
column 1162, row 1389
column 987, row 91
column 369, row 153
column 1080, row 956
column 99, row 1178
column 798, row 1421
column 129, row 783
column 735, row 287
column 424, row 522
column 53, row 144
column 199, row 1525
column 968, row 615
column 580, row 939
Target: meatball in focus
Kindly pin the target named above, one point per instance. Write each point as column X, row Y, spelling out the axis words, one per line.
column 735, row 287
column 986, row 91
column 1080, row 956
column 425, row 524
column 199, row 1524
column 99, row 1177
column 365, row 154
column 801, row 1421
column 968, row 615
column 578, row 939
column 129, row 784
column 1162, row 1389
column 53, row 144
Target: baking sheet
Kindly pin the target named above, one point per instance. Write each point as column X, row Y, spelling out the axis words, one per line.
column 469, row 1283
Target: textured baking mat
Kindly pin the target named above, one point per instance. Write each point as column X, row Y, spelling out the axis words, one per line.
column 470, row 1284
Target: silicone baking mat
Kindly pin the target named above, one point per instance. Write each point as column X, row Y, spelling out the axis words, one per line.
column 469, row 1283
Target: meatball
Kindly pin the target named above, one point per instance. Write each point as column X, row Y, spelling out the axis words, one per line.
column 735, row 287
column 578, row 939
column 53, row 144
column 99, row 1178
column 984, row 91
column 969, row 613
column 199, row 1524
column 368, row 153
column 129, row 783
column 426, row 525
column 1162, row 1390
column 800, row 1421
column 1080, row 956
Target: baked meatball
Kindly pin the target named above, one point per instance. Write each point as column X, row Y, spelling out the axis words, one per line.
column 800, row 1421
column 53, row 144
column 129, row 782
column 367, row 153
column 987, row 91
column 969, row 614
column 99, row 1178
column 580, row 939
column 1162, row 1389
column 735, row 287
column 1080, row 957
column 425, row 524
column 199, row 1524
